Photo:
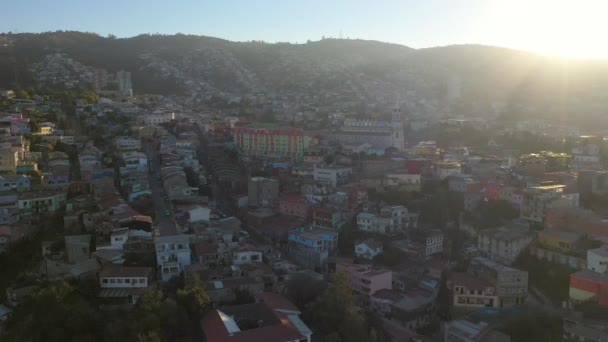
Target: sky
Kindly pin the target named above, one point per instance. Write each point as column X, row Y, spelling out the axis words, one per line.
column 571, row 28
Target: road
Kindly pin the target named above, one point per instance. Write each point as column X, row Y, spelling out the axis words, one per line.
column 164, row 223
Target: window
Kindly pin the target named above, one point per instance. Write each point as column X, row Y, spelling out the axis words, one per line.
column 142, row 280
column 112, row 281
column 120, row 280
column 104, row 281
column 127, row 280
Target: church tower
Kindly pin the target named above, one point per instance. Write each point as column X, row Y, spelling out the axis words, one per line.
column 398, row 137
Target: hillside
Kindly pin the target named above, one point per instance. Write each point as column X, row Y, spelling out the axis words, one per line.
column 471, row 76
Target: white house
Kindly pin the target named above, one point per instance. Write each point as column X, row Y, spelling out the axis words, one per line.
column 118, row 237
column 127, row 143
column 246, row 256
column 597, row 259
column 158, row 118
column 433, row 242
column 199, row 214
column 135, row 160
column 368, row 249
column 172, row 254
column 123, row 282
column 334, row 175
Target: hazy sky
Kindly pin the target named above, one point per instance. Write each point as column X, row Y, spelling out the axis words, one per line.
column 573, row 28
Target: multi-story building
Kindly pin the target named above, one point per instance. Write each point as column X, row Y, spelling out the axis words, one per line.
column 159, row 118
column 576, row 220
column 327, row 217
column 391, row 220
column 504, row 244
column 40, row 202
column 172, row 255
column 135, row 160
column 334, row 175
column 9, row 158
column 445, row 169
column 558, row 240
column 295, row 205
column 312, row 246
column 404, row 181
column 377, row 133
column 588, row 285
column 470, row 291
column 270, row 140
column 365, row 281
column 263, row 192
column 537, row 200
column 123, row 78
column 127, row 144
column 597, row 259
column 511, row 283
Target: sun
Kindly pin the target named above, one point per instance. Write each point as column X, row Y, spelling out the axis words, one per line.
column 562, row 28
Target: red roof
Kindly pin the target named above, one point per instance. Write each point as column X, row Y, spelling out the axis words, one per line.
column 203, row 248
column 111, row 271
column 216, row 331
column 6, row 230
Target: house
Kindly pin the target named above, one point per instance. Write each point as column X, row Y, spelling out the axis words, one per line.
column 333, row 175
column 263, row 192
column 404, row 181
column 391, row 220
column 121, row 284
column 577, row 220
column 225, row 290
column 365, row 281
column 246, row 255
column 597, row 259
column 206, row 253
column 559, row 241
column 588, row 285
column 504, row 244
column 578, row 328
column 368, row 249
column 538, row 199
column 6, row 236
column 311, row 246
column 5, row 313
column 467, row 331
column 511, row 284
column 78, row 248
column 560, row 247
column 271, row 319
column 172, row 254
column 470, row 291
column 294, row 205
column 327, row 217
column 40, row 202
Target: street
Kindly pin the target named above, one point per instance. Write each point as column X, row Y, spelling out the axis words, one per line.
column 164, row 223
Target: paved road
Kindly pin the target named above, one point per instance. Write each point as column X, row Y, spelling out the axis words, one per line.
column 164, row 223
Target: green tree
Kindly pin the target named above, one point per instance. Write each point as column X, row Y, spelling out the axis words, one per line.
column 22, row 94
column 57, row 312
column 194, row 298
column 302, row 289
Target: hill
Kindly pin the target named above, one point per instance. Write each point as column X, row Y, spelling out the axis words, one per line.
column 458, row 79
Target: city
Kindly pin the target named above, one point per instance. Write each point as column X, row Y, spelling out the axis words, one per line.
column 250, row 191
